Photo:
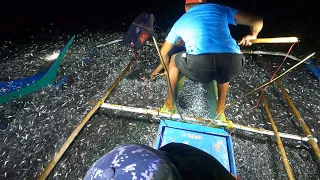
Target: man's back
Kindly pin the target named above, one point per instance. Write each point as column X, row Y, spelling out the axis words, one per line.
column 204, row 28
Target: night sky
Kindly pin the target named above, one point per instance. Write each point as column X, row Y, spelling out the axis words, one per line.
column 281, row 18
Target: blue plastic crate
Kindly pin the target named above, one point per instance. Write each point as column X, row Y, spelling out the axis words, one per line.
column 214, row 141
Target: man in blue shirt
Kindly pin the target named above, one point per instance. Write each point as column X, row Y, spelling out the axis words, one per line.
column 211, row 52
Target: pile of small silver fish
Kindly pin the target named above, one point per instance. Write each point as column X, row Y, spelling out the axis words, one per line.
column 38, row 124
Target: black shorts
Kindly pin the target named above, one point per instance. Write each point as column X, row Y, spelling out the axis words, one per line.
column 222, row 67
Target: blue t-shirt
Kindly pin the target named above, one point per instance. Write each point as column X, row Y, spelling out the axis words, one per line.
column 204, row 29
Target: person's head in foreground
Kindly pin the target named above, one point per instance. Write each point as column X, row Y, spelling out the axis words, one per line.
column 174, row 161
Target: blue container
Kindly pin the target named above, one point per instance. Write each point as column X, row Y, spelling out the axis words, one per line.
column 214, row 141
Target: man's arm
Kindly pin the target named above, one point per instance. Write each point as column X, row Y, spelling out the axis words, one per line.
column 254, row 22
column 165, row 49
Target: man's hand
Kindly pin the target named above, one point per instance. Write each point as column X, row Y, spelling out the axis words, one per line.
column 165, row 49
column 254, row 22
column 246, row 40
column 153, row 75
column 156, row 72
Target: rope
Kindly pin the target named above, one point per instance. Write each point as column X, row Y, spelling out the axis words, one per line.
column 158, row 135
column 141, row 77
column 232, row 131
column 272, row 77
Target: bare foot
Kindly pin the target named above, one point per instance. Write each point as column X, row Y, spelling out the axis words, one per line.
column 218, row 111
column 168, row 104
column 153, row 75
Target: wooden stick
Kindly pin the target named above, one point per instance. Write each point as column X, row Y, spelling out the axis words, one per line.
column 167, row 72
column 275, row 40
column 70, row 139
column 279, row 142
column 202, row 121
column 306, row 130
column 269, row 40
column 272, row 54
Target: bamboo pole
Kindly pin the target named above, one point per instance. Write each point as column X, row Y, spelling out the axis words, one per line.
column 278, row 140
column 269, row 40
column 275, row 40
column 76, row 131
column 295, row 111
column 167, row 72
column 227, row 124
column 271, row 53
